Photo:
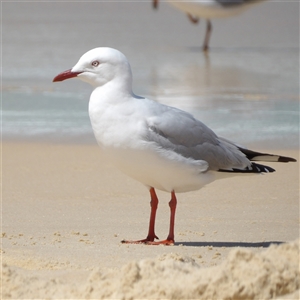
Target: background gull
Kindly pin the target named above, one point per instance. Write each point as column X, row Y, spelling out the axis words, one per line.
column 210, row 9
column 161, row 146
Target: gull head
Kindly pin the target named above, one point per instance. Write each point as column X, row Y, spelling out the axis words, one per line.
column 100, row 66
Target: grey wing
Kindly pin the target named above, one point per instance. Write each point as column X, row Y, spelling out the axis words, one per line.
column 180, row 132
column 230, row 3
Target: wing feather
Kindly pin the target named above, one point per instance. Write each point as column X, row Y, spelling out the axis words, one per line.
column 180, row 132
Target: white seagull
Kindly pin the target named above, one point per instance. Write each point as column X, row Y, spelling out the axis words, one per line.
column 210, row 9
column 160, row 146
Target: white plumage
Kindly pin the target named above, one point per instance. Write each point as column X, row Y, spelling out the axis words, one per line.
column 161, row 146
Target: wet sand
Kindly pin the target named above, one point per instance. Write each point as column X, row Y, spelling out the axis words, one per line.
column 65, row 211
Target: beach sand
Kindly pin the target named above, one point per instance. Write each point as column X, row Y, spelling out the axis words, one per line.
column 65, row 211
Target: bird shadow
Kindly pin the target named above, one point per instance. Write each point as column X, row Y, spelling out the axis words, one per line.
column 229, row 244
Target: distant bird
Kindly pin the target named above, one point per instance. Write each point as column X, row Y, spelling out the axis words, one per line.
column 210, row 9
column 160, row 146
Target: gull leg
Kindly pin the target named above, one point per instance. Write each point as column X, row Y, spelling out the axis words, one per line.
column 151, row 232
column 207, row 35
column 154, row 203
column 155, row 3
column 170, row 239
column 193, row 19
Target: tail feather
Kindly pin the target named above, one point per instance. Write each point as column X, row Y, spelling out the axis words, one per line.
column 258, row 156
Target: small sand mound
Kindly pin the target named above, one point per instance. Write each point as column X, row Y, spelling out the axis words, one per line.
column 273, row 273
column 244, row 275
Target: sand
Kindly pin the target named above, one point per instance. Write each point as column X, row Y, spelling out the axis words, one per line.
column 243, row 275
column 65, row 211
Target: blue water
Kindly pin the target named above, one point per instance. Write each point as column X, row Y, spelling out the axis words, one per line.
column 246, row 89
column 45, row 116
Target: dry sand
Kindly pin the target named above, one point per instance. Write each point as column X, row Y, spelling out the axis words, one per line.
column 65, row 211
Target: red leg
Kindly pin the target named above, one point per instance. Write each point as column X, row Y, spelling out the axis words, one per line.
column 151, row 232
column 154, row 203
column 193, row 19
column 170, row 239
column 207, row 35
column 172, row 204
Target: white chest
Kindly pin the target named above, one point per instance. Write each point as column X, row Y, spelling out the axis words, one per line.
column 116, row 124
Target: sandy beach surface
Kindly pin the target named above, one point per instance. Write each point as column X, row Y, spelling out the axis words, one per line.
column 65, row 212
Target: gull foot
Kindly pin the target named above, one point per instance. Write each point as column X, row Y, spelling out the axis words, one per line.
column 164, row 242
column 147, row 241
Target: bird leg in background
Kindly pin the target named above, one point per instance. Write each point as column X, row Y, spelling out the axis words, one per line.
column 193, row 19
column 207, row 35
column 155, row 3
column 151, row 233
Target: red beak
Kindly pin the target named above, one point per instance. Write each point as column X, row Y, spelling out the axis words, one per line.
column 65, row 75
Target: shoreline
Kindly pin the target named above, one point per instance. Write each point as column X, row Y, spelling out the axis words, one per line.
column 89, row 140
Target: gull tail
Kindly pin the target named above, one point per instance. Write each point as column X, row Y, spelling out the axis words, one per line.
column 258, row 156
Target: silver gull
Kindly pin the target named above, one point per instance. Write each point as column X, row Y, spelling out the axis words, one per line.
column 210, row 9
column 160, row 146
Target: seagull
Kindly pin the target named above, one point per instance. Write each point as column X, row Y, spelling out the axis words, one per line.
column 210, row 9
column 160, row 146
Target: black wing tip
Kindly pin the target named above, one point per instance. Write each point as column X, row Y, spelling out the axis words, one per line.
column 262, row 168
column 286, row 159
column 255, row 168
column 252, row 155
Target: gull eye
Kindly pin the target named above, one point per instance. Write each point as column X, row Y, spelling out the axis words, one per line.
column 95, row 63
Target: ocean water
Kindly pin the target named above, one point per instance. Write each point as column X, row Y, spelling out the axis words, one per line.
column 246, row 89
